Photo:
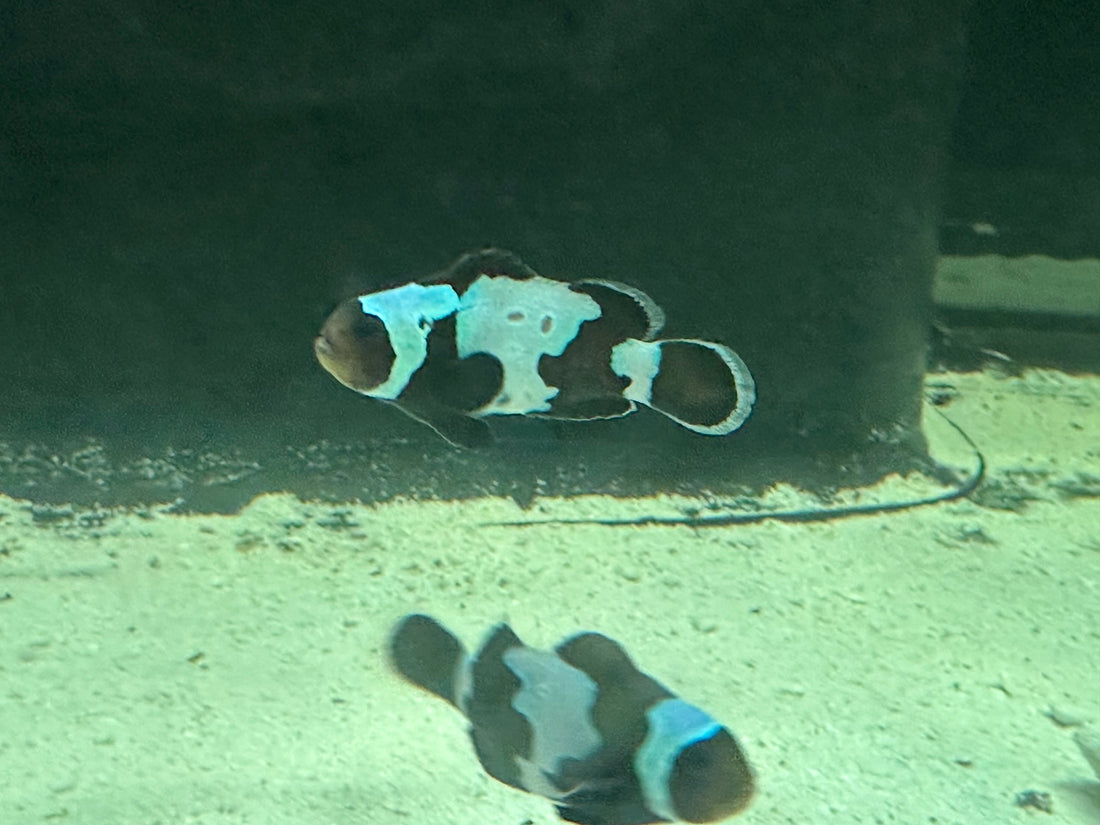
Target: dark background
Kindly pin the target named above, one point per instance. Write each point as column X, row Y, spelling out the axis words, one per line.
column 186, row 192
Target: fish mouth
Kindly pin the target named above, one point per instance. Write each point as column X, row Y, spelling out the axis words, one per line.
column 326, row 356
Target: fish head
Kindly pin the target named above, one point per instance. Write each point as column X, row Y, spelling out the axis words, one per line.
column 354, row 347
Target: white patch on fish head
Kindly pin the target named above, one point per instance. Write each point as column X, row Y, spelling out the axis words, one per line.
column 408, row 312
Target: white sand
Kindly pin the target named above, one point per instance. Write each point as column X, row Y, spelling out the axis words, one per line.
column 895, row 668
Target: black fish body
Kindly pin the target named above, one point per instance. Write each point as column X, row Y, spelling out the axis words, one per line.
column 580, row 725
column 491, row 337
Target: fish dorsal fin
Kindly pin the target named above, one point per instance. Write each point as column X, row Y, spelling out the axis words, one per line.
column 624, row 691
column 603, row 659
column 654, row 315
column 490, row 261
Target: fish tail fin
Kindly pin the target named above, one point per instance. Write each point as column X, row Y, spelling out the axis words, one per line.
column 428, row 655
column 700, row 385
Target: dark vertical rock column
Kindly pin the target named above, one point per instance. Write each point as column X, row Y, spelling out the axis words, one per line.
column 774, row 174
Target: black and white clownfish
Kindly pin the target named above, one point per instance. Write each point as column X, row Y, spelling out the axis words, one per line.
column 580, row 725
column 489, row 336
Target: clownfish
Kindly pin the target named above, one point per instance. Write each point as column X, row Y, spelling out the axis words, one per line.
column 580, row 725
column 489, row 336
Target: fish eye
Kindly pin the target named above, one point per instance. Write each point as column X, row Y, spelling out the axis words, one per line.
column 368, row 326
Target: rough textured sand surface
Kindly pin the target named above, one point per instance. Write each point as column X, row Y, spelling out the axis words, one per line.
column 901, row 668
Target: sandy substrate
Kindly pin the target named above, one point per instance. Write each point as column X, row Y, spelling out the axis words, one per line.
column 157, row 668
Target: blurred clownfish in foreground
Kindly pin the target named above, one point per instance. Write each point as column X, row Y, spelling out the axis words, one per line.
column 580, row 725
column 490, row 337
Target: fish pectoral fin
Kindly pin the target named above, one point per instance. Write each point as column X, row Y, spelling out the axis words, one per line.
column 453, row 426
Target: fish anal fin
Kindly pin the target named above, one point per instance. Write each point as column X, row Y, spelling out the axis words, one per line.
column 588, row 409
